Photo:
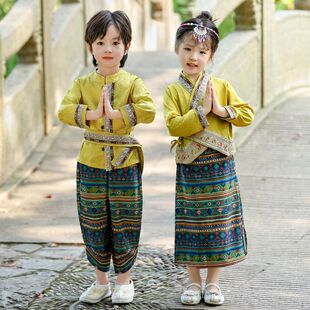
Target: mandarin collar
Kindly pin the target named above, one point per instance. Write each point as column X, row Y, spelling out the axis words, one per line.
column 108, row 78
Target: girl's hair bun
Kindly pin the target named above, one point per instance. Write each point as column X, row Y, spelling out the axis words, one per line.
column 205, row 15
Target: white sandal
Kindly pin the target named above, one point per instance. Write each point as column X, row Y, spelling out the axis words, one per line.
column 190, row 296
column 213, row 298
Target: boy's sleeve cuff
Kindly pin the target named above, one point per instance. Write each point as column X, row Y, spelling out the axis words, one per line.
column 80, row 116
column 129, row 115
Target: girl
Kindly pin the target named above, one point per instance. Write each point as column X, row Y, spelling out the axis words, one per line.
column 201, row 110
column 108, row 103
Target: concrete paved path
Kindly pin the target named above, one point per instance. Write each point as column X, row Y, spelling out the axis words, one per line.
column 273, row 168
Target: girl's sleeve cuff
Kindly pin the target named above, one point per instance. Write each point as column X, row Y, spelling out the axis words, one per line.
column 231, row 114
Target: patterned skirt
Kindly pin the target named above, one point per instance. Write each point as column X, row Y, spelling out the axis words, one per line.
column 209, row 229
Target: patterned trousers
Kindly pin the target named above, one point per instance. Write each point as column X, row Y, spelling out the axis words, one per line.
column 110, row 212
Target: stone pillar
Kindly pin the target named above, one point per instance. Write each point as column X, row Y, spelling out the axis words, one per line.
column 268, row 9
column 248, row 16
column 169, row 25
column 302, row 4
column 48, row 89
column 1, row 112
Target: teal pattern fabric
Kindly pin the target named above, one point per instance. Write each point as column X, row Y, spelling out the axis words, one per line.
column 209, row 230
column 110, row 211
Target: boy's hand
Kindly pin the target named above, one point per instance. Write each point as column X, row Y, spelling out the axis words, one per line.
column 106, row 101
column 99, row 112
column 109, row 111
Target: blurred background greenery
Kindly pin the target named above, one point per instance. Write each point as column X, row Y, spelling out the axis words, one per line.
column 5, row 6
column 284, row 4
column 228, row 25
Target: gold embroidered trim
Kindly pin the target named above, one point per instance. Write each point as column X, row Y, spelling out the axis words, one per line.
column 202, row 118
column 185, row 83
column 200, row 91
column 108, row 157
column 122, row 157
column 78, row 115
column 231, row 114
column 110, row 139
column 107, row 121
column 199, row 142
column 131, row 114
column 108, row 149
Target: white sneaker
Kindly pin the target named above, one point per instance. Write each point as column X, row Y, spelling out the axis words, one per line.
column 95, row 293
column 123, row 293
column 212, row 297
column 191, row 296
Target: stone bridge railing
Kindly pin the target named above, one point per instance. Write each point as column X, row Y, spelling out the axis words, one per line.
column 48, row 38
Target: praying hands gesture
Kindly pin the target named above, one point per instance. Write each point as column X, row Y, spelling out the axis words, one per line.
column 104, row 108
column 211, row 102
column 207, row 104
column 109, row 111
column 93, row 115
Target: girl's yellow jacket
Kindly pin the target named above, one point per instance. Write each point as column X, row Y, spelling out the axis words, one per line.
column 130, row 96
column 197, row 131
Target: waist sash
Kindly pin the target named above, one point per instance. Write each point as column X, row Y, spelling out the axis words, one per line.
column 110, row 140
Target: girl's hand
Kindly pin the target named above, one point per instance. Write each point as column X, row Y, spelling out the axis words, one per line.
column 98, row 113
column 207, row 104
column 217, row 109
column 109, row 111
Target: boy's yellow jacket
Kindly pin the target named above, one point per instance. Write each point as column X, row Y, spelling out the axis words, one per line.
column 197, row 131
column 108, row 143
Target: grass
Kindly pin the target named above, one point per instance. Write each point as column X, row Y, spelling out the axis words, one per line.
column 227, row 26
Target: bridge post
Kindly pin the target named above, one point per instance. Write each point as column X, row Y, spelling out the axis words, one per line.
column 2, row 62
column 267, row 51
column 48, row 91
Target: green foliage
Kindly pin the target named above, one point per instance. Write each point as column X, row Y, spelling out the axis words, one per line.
column 5, row 6
column 284, row 4
column 10, row 64
column 57, row 5
column 227, row 26
column 181, row 7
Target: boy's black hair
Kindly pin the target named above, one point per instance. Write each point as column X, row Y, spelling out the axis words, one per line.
column 98, row 25
column 205, row 19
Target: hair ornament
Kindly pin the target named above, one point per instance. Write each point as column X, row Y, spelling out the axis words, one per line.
column 200, row 32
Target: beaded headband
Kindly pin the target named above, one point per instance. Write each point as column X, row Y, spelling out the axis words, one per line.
column 200, row 32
